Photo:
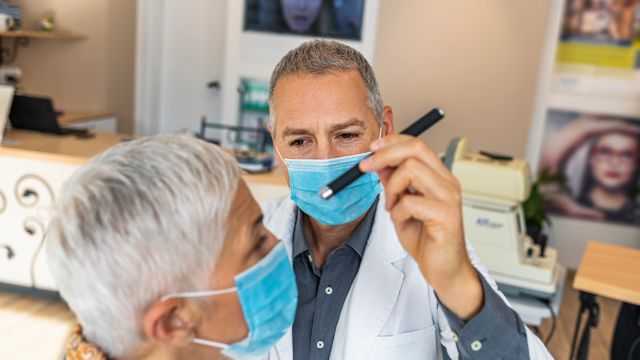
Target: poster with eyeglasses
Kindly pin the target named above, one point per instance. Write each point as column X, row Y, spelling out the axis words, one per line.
column 593, row 161
column 340, row 19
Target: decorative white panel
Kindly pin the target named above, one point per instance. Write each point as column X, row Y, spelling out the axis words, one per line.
column 28, row 188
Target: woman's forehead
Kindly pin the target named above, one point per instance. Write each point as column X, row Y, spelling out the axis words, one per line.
column 618, row 140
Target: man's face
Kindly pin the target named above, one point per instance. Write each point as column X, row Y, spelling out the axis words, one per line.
column 323, row 116
column 246, row 243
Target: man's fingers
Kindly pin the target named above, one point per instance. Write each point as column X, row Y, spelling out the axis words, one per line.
column 395, row 149
column 414, row 176
column 414, row 207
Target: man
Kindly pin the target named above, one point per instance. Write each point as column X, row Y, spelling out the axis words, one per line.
column 381, row 275
column 148, row 250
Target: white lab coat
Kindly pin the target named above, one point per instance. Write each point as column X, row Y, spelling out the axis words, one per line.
column 391, row 311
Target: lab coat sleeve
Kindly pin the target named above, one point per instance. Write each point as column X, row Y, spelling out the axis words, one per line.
column 496, row 332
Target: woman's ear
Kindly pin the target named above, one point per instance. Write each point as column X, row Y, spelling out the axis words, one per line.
column 169, row 322
column 387, row 120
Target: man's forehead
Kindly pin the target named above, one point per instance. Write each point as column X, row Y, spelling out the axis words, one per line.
column 301, row 85
column 309, row 100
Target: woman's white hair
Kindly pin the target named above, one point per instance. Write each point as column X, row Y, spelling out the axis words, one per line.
column 145, row 218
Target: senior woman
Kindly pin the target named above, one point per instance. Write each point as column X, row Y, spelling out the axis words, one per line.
column 159, row 249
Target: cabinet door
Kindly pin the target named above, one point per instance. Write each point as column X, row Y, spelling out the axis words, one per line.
column 28, row 189
column 192, row 41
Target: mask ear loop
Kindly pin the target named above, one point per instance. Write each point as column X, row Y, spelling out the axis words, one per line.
column 210, row 343
column 278, row 151
column 196, row 294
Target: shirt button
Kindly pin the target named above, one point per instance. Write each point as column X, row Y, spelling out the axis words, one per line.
column 476, row 345
column 320, row 344
column 455, row 336
column 328, row 290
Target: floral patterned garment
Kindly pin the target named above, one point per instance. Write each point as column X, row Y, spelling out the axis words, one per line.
column 78, row 348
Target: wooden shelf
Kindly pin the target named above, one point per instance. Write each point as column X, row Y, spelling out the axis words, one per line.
column 35, row 34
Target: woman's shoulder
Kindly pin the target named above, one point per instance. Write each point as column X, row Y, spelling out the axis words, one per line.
column 78, row 348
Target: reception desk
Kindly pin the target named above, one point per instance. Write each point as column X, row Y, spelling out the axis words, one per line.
column 33, row 167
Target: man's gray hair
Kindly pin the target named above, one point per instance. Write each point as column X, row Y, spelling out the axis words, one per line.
column 145, row 218
column 320, row 57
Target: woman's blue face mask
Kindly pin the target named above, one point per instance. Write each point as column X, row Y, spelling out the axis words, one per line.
column 268, row 295
column 308, row 176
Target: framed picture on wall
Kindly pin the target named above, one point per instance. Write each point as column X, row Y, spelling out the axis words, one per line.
column 600, row 32
column 340, row 19
column 599, row 158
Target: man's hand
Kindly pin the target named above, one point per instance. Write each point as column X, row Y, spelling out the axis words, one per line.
column 424, row 200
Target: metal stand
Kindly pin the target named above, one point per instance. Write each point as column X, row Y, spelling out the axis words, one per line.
column 588, row 304
column 261, row 133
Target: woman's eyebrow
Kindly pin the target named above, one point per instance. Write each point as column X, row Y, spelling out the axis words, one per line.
column 258, row 221
column 255, row 245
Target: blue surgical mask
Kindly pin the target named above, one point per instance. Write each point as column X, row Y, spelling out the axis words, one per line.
column 308, row 176
column 268, row 296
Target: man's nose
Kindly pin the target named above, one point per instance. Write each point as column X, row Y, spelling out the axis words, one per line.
column 326, row 151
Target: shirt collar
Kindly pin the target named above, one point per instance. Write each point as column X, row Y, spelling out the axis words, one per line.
column 357, row 241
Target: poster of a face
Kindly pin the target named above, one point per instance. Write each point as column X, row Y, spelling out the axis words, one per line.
column 600, row 158
column 600, row 21
column 319, row 18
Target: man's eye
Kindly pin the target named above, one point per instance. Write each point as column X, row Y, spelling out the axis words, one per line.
column 298, row 142
column 348, row 136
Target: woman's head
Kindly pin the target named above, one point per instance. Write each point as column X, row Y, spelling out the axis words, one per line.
column 300, row 14
column 150, row 217
column 613, row 161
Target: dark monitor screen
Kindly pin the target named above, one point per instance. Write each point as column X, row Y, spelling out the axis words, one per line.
column 341, row 19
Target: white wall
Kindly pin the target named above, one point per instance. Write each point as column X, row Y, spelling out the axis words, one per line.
column 482, row 62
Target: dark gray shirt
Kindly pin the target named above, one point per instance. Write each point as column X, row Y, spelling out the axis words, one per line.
column 322, row 292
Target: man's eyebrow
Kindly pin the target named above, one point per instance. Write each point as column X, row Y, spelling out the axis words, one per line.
column 346, row 124
column 289, row 131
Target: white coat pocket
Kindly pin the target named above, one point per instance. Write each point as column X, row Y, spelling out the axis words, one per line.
column 419, row 344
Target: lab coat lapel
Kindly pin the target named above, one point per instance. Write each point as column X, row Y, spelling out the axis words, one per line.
column 374, row 292
column 280, row 220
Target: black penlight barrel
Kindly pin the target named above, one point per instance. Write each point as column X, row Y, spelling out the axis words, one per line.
column 415, row 129
column 347, row 178
column 425, row 122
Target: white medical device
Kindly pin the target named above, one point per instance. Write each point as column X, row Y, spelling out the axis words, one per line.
column 493, row 190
